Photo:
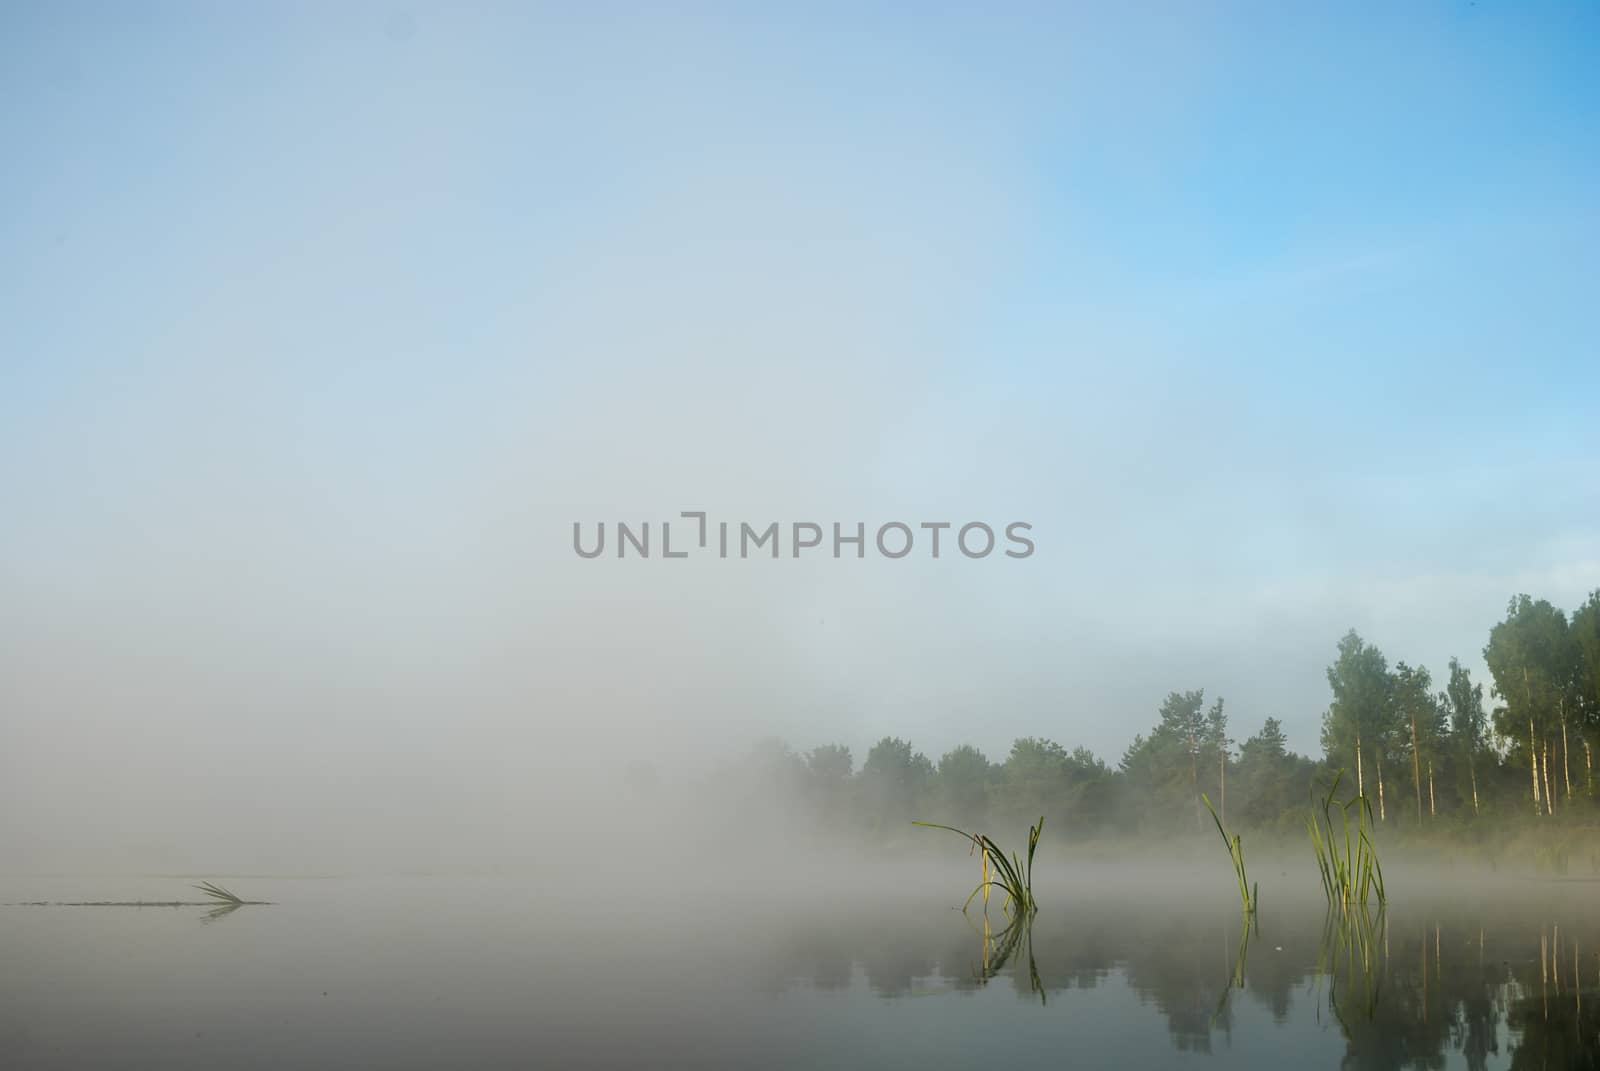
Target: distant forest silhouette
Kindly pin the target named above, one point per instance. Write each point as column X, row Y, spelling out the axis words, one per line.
column 1427, row 757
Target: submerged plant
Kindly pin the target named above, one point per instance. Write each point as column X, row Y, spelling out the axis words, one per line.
column 1351, row 872
column 1250, row 896
column 1013, row 877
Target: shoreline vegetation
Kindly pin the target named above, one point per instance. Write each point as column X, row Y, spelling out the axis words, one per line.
column 1448, row 775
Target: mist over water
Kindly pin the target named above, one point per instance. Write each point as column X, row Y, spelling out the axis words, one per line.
column 333, row 339
column 722, row 967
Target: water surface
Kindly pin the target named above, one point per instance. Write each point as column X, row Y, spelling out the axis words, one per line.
column 1136, row 967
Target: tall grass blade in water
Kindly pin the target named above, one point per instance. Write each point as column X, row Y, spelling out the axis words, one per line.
column 1013, row 876
column 1350, row 869
column 219, row 894
column 1250, row 897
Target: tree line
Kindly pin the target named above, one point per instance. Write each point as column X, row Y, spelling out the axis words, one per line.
column 1420, row 753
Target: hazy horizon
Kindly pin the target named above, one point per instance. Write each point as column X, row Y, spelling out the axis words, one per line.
column 323, row 326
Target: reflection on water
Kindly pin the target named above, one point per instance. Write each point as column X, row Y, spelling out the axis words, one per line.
column 1350, row 960
column 998, row 949
column 220, row 912
column 1401, row 987
column 496, row 973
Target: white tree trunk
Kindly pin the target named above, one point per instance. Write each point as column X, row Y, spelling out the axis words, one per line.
column 1549, row 804
column 1222, row 781
column 1361, row 783
column 1533, row 757
column 1383, row 815
column 1416, row 765
column 1194, row 780
column 1566, row 767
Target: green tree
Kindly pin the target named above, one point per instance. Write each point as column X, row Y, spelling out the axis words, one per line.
column 1035, row 776
column 1072, row 789
column 894, row 779
column 1266, row 775
column 964, row 779
column 1464, row 701
column 1419, row 712
column 1092, row 787
column 1361, row 718
column 1271, row 743
column 1531, row 657
column 1164, row 768
column 828, row 781
column 1217, row 747
column 1585, row 634
column 830, row 764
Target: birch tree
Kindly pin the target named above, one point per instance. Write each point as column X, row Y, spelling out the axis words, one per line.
column 1359, row 720
column 1530, row 657
column 1464, row 701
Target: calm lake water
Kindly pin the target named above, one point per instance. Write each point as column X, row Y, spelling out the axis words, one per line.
column 1134, row 968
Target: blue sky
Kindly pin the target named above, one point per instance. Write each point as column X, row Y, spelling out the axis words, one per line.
column 321, row 326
